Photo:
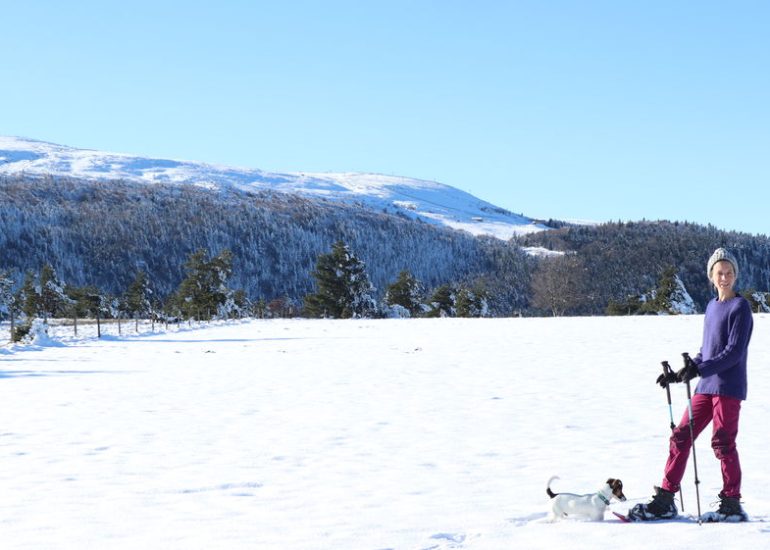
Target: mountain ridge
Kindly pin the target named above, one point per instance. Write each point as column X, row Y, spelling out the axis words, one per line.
column 431, row 202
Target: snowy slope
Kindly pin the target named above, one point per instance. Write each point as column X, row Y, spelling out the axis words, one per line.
column 430, row 201
column 312, row 435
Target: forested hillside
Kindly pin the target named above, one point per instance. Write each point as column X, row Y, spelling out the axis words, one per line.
column 619, row 260
column 101, row 233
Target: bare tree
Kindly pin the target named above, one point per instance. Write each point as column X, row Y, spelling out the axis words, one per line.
column 559, row 284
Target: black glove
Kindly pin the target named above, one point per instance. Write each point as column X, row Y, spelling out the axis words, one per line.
column 668, row 377
column 689, row 371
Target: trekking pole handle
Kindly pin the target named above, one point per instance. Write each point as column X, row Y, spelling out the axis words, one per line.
column 666, row 367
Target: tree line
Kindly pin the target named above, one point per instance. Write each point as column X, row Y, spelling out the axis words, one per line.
column 99, row 235
column 203, row 294
column 343, row 291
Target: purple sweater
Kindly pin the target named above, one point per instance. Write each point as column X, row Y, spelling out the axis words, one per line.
column 721, row 362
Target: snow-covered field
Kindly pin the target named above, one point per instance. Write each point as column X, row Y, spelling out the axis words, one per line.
column 404, row 434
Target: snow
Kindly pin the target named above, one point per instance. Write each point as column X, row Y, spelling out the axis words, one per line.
column 541, row 252
column 357, row 434
column 429, row 201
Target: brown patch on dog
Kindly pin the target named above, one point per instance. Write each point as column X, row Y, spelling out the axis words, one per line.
column 617, row 488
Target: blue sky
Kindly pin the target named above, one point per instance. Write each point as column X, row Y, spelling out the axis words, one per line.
column 597, row 110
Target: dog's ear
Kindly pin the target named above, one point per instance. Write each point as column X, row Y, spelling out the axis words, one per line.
column 615, row 484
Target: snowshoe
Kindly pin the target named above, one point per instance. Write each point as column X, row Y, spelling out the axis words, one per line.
column 660, row 507
column 729, row 511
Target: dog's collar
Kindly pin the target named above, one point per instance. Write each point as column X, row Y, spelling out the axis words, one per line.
column 603, row 498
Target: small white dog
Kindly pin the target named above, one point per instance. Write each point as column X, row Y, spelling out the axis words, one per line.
column 591, row 506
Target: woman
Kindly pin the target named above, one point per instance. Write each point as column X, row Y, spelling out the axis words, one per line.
column 721, row 364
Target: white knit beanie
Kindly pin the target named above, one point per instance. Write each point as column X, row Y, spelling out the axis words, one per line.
column 719, row 255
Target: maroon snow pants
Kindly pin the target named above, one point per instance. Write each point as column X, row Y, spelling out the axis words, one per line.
column 724, row 411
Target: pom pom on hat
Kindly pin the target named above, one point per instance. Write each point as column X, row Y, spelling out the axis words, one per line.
column 719, row 255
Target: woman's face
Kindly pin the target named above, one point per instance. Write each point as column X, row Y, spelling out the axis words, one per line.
column 723, row 276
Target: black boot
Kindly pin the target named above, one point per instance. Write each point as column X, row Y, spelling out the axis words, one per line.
column 660, row 507
column 729, row 510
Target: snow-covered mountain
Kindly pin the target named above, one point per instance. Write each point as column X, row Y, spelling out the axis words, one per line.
column 429, row 201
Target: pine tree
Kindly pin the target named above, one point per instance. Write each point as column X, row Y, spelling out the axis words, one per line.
column 442, row 303
column 27, row 297
column 224, row 300
column 660, row 299
column 406, row 292
column 472, row 302
column 203, row 293
column 7, row 300
column 259, row 308
column 669, row 297
column 192, row 295
column 82, row 299
column 344, row 289
column 53, row 301
column 138, row 298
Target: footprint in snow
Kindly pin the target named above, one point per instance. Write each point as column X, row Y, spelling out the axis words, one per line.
column 525, row 520
column 447, row 541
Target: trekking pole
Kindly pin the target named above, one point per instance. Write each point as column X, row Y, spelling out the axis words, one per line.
column 687, row 361
column 666, row 372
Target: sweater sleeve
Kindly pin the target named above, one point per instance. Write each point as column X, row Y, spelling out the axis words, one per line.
column 741, row 325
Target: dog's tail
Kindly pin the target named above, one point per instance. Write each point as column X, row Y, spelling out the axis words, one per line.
column 548, row 487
